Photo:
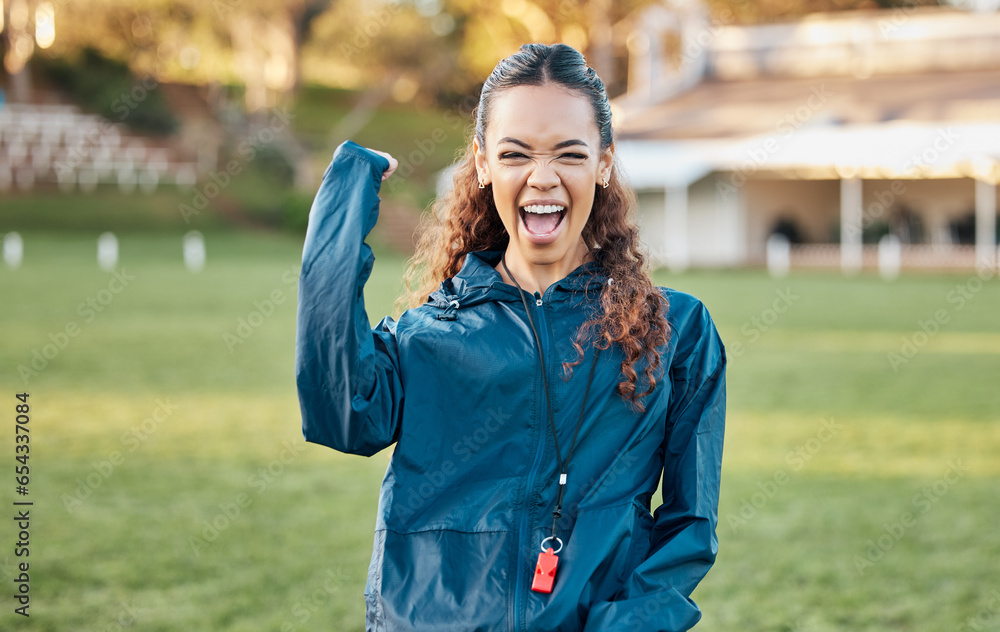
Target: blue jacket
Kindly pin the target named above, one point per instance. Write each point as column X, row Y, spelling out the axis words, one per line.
column 468, row 495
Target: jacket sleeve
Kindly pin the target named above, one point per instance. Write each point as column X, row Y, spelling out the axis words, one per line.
column 683, row 543
column 347, row 372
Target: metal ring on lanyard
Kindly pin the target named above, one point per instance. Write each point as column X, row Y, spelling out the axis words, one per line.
column 552, row 538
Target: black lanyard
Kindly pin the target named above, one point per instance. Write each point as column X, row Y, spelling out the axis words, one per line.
column 563, row 465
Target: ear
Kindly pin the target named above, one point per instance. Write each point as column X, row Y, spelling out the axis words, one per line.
column 607, row 161
column 482, row 165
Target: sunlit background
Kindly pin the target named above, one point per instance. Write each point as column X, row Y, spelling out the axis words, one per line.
column 821, row 173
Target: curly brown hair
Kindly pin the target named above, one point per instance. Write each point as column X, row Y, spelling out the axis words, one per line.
column 465, row 220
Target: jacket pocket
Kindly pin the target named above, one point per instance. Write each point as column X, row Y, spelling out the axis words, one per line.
column 604, row 548
column 438, row 581
column 642, row 531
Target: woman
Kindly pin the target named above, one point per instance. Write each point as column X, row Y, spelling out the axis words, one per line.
column 518, row 496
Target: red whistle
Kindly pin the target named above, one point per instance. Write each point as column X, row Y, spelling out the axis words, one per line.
column 545, row 571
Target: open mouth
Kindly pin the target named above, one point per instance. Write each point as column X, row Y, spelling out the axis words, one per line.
column 542, row 220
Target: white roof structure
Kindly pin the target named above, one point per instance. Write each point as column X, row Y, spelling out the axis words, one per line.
column 893, row 150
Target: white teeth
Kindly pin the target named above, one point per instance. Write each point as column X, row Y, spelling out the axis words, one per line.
column 542, row 209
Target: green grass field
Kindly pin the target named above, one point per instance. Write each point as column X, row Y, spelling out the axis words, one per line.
column 173, row 490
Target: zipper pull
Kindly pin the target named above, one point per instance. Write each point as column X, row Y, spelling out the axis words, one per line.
column 538, row 299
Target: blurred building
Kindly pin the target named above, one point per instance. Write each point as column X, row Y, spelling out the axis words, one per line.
column 834, row 131
column 45, row 144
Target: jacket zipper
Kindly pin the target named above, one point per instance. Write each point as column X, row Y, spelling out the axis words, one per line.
column 533, row 473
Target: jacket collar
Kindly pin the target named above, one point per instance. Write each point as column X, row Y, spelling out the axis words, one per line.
column 478, row 281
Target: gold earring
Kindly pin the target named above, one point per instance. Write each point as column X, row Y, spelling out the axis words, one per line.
column 481, row 185
column 605, row 185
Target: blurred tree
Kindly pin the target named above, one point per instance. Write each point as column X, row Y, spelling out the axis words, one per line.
column 256, row 42
column 405, row 49
column 267, row 38
column 18, row 44
column 595, row 27
column 443, row 49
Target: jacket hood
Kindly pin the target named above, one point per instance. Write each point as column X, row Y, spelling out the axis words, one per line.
column 479, row 282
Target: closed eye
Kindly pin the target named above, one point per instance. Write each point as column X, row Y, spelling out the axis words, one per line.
column 516, row 155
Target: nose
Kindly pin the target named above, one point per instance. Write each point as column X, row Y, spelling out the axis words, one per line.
column 543, row 177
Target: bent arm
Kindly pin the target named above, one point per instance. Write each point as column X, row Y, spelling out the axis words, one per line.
column 347, row 372
column 683, row 543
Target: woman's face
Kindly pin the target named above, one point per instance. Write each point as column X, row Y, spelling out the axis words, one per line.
column 543, row 157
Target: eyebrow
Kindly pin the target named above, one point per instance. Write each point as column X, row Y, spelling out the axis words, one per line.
column 560, row 145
